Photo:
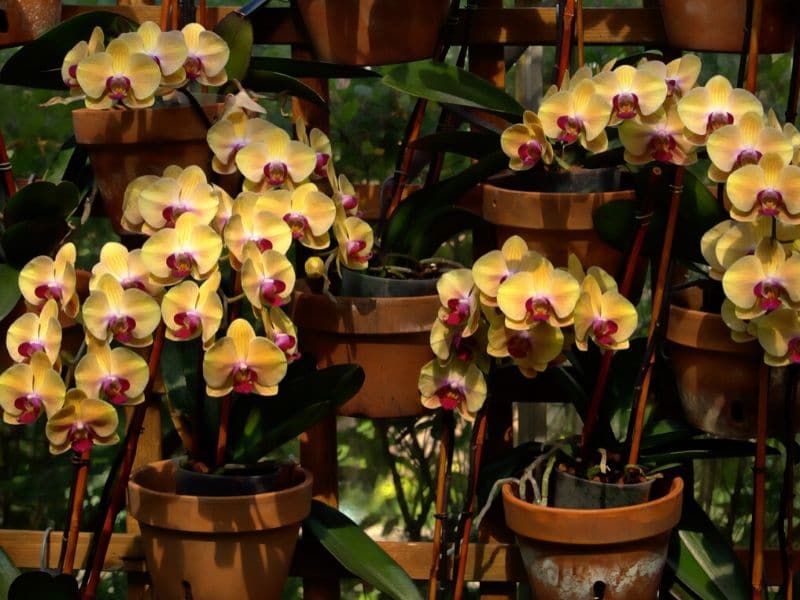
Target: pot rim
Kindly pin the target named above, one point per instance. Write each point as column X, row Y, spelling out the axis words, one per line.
column 704, row 331
column 594, row 526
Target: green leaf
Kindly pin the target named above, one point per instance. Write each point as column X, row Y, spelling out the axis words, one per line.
column 8, row 573
column 41, row 584
column 9, row 289
column 68, row 164
column 437, row 226
column 447, row 84
column 310, row 68
column 278, row 83
column 702, row 560
column 358, row 553
column 700, row 448
column 41, row 198
column 38, row 64
column 237, row 31
column 23, row 241
column 467, row 143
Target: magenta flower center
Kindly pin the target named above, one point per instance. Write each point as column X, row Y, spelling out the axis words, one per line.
column 171, row 214
column 297, row 223
column 459, row 309
column 794, row 350
column 48, row 291
column 72, row 74
column 81, row 437
column 244, row 379
column 603, row 331
column 570, row 128
column 188, row 324
column 770, row 202
column 114, row 388
column 30, row 406
column 270, row 290
column 539, row 309
column 673, row 87
column 180, row 264
column 27, row 349
column 354, row 248
column 275, row 172
column 321, row 167
column 193, row 67
column 349, row 202
column 748, row 156
column 626, row 105
column 530, row 153
column 717, row 120
column 121, row 327
column 450, row 396
column 464, row 348
column 768, row 294
column 519, row 344
column 263, row 244
column 661, row 146
column 118, row 87
column 129, row 283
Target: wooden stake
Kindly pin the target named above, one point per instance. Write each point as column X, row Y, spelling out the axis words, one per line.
column 579, row 32
column 564, row 43
column 794, row 81
column 69, row 544
column 5, row 167
column 442, row 491
column 787, row 493
column 759, row 483
column 752, row 59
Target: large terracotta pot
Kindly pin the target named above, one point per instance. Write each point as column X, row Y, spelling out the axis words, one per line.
column 572, row 554
column 212, row 547
column 124, row 144
column 373, row 32
column 27, row 19
column 718, row 25
column 388, row 337
column 554, row 224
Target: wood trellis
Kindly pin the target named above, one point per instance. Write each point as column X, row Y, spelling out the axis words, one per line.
column 495, row 560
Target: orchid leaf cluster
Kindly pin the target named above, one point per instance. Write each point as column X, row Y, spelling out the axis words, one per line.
column 514, row 307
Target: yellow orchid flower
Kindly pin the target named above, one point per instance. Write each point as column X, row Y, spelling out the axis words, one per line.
column 118, row 76
column 793, row 135
column 268, row 277
column 345, row 196
column 320, row 143
column 745, row 143
column 525, row 143
column 31, row 333
column 232, row 133
column 658, row 137
column 770, row 188
column 540, row 294
column 191, row 248
column 69, row 67
column 132, row 220
column 243, row 363
column 224, row 209
column 308, row 212
column 280, row 329
column 166, row 198
column 680, row 74
column 779, row 336
column 44, row 278
column 532, row 349
column 578, row 114
column 127, row 316
column 190, row 310
column 703, row 110
column 604, row 316
column 27, row 389
column 126, row 266
column 449, row 341
column 764, row 281
column 494, row 267
column 708, row 247
column 741, row 330
column 118, row 376
column 455, row 386
column 207, row 55
column 355, row 238
column 250, row 222
column 81, row 423
column 459, row 300
column 631, row 92
column 167, row 48
column 272, row 160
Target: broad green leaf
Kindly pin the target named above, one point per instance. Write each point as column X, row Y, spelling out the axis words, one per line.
column 447, row 84
column 23, row 241
column 8, row 573
column 69, row 163
column 309, row 68
column 38, row 64
column 278, row 83
column 237, row 31
column 437, row 226
column 700, row 448
column 42, row 198
column 358, row 553
column 9, row 290
column 41, row 584
column 467, row 143
column 703, row 561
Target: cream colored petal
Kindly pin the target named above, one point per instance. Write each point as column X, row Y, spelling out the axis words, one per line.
column 724, row 146
column 300, row 161
column 143, row 309
column 741, row 279
column 93, row 73
column 650, row 90
column 144, row 75
column 743, row 186
column 694, row 109
column 267, row 360
column 219, row 362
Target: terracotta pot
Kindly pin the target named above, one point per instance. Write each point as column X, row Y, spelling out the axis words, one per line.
column 373, row 32
column 717, row 378
column 211, row 547
column 27, row 19
column 388, row 337
column 718, row 25
column 571, row 554
column 554, row 224
column 124, row 144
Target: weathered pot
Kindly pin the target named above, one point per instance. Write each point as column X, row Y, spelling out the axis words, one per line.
column 25, row 20
column 211, row 547
column 556, row 223
column 124, row 144
column 572, row 554
column 373, row 32
column 388, row 337
column 718, row 25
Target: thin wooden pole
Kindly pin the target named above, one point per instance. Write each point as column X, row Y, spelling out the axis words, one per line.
column 69, row 544
column 759, row 483
column 438, row 570
column 564, row 48
column 752, row 60
column 787, row 493
column 227, row 401
column 579, row 32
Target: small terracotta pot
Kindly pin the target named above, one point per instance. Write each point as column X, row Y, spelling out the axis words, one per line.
column 718, row 25
column 373, row 32
column 124, row 144
column 571, row 554
column 211, row 547
column 388, row 337
column 28, row 19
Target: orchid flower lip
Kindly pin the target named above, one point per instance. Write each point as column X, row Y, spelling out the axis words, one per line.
column 193, row 67
column 189, row 323
column 118, row 87
column 604, row 331
column 27, row 349
column 768, row 293
column 450, row 396
column 626, row 105
column 46, row 291
column 349, row 201
column 30, row 405
column 519, row 344
column 297, row 222
column 276, row 173
column 770, row 202
column 180, row 263
column 570, row 128
column 530, row 153
column 719, row 119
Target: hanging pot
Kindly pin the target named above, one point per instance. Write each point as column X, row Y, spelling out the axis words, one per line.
column 25, row 20
column 373, row 32
column 211, row 547
column 719, row 25
column 124, row 144
column 389, row 337
column 577, row 554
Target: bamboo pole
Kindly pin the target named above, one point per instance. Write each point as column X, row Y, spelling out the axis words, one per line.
column 752, row 60
column 69, row 544
column 438, row 570
column 759, row 483
column 564, row 47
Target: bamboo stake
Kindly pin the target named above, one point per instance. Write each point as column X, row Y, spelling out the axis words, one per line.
column 69, row 544
column 659, row 297
column 564, row 48
column 5, row 167
column 752, row 60
column 579, row 32
column 202, row 14
column 227, row 402
column 759, row 482
column 438, row 570
column 787, row 493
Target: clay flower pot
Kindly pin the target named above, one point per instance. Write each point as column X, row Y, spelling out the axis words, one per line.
column 27, row 19
column 388, row 337
column 576, row 554
column 124, row 144
column 718, row 25
column 373, row 32
column 211, row 547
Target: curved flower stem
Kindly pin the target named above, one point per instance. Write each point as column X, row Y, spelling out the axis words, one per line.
column 227, row 402
column 438, row 572
column 114, row 492
column 77, row 495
